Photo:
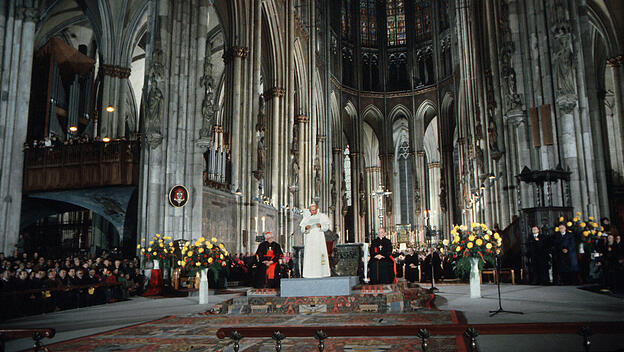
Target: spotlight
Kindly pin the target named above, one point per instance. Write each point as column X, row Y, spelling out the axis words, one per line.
column 238, row 192
column 73, row 129
column 106, row 139
column 110, row 108
column 482, row 187
column 491, row 176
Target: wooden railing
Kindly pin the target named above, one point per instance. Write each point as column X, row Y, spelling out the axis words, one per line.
column 424, row 332
column 81, row 166
column 36, row 334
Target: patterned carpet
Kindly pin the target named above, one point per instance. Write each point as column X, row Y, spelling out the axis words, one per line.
column 198, row 333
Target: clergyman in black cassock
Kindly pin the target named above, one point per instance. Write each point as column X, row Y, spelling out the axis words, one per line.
column 381, row 264
column 267, row 255
column 411, row 266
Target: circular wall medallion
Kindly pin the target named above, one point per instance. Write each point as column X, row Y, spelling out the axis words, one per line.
column 178, row 196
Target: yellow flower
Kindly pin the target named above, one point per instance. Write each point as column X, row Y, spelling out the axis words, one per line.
column 600, row 234
column 575, row 219
column 210, row 260
column 469, row 245
column 197, row 264
column 221, row 256
column 170, row 244
column 601, row 228
column 458, row 249
column 149, row 249
column 488, row 246
column 201, row 239
column 142, row 250
column 154, row 253
column 157, row 235
column 484, row 227
column 161, row 245
column 578, row 213
column 585, row 233
column 569, row 224
column 593, row 232
column 151, row 242
column 591, row 218
column 479, row 242
column 445, row 242
column 225, row 252
column 167, row 237
column 557, row 229
column 197, row 243
column 471, row 238
column 201, row 250
column 561, row 219
column 214, row 239
column 138, row 246
column 486, row 237
column 142, row 239
column 498, row 251
column 462, row 227
column 160, row 241
column 489, row 232
column 474, row 224
column 189, row 253
column 209, row 245
column 456, row 239
column 499, row 242
column 183, row 263
column 221, row 246
column 453, row 232
column 496, row 236
column 166, row 250
column 583, row 224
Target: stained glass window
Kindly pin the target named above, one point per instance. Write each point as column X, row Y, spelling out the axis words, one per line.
column 444, row 15
column 345, row 21
column 395, row 18
column 422, row 19
column 368, row 23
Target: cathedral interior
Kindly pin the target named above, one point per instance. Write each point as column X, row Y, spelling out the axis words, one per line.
column 413, row 115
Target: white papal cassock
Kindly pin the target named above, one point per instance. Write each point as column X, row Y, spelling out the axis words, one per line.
column 315, row 259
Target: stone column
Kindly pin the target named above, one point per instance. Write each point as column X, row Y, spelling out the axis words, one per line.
column 277, row 130
column 17, row 73
column 236, row 54
column 434, row 194
column 301, row 122
column 615, row 66
column 114, row 90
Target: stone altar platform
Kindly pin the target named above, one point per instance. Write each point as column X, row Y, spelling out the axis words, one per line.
column 393, row 298
column 326, row 286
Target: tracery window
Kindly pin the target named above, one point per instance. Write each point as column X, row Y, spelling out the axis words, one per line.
column 368, row 23
column 395, row 20
column 406, row 183
column 422, row 19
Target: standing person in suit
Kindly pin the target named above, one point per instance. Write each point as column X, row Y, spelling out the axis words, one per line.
column 565, row 249
column 537, row 252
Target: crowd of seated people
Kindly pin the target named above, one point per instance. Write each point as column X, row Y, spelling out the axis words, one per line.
column 31, row 284
column 412, row 262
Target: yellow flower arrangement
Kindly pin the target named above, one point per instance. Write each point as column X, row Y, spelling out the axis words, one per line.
column 475, row 241
column 205, row 254
column 158, row 248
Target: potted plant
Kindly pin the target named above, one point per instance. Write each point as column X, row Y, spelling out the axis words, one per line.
column 204, row 256
column 472, row 247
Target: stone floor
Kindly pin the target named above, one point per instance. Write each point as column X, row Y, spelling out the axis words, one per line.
column 539, row 304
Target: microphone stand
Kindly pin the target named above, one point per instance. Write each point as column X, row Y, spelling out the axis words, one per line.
column 500, row 306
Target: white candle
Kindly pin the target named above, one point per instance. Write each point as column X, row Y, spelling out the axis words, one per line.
column 263, row 223
column 256, row 224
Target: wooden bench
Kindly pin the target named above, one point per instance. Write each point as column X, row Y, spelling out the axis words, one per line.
column 510, row 272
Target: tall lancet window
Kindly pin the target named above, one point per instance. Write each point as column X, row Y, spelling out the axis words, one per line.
column 368, row 23
column 422, row 19
column 406, row 183
column 444, row 15
column 345, row 19
column 395, row 20
column 347, row 174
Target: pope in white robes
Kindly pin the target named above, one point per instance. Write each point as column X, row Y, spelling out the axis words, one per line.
column 315, row 258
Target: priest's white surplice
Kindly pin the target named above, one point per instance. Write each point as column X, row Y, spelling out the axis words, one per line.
column 315, row 258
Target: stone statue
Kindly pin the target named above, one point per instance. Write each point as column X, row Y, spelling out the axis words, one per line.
column 154, row 100
column 294, row 174
column 563, row 59
column 208, row 103
column 442, row 192
column 333, row 192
